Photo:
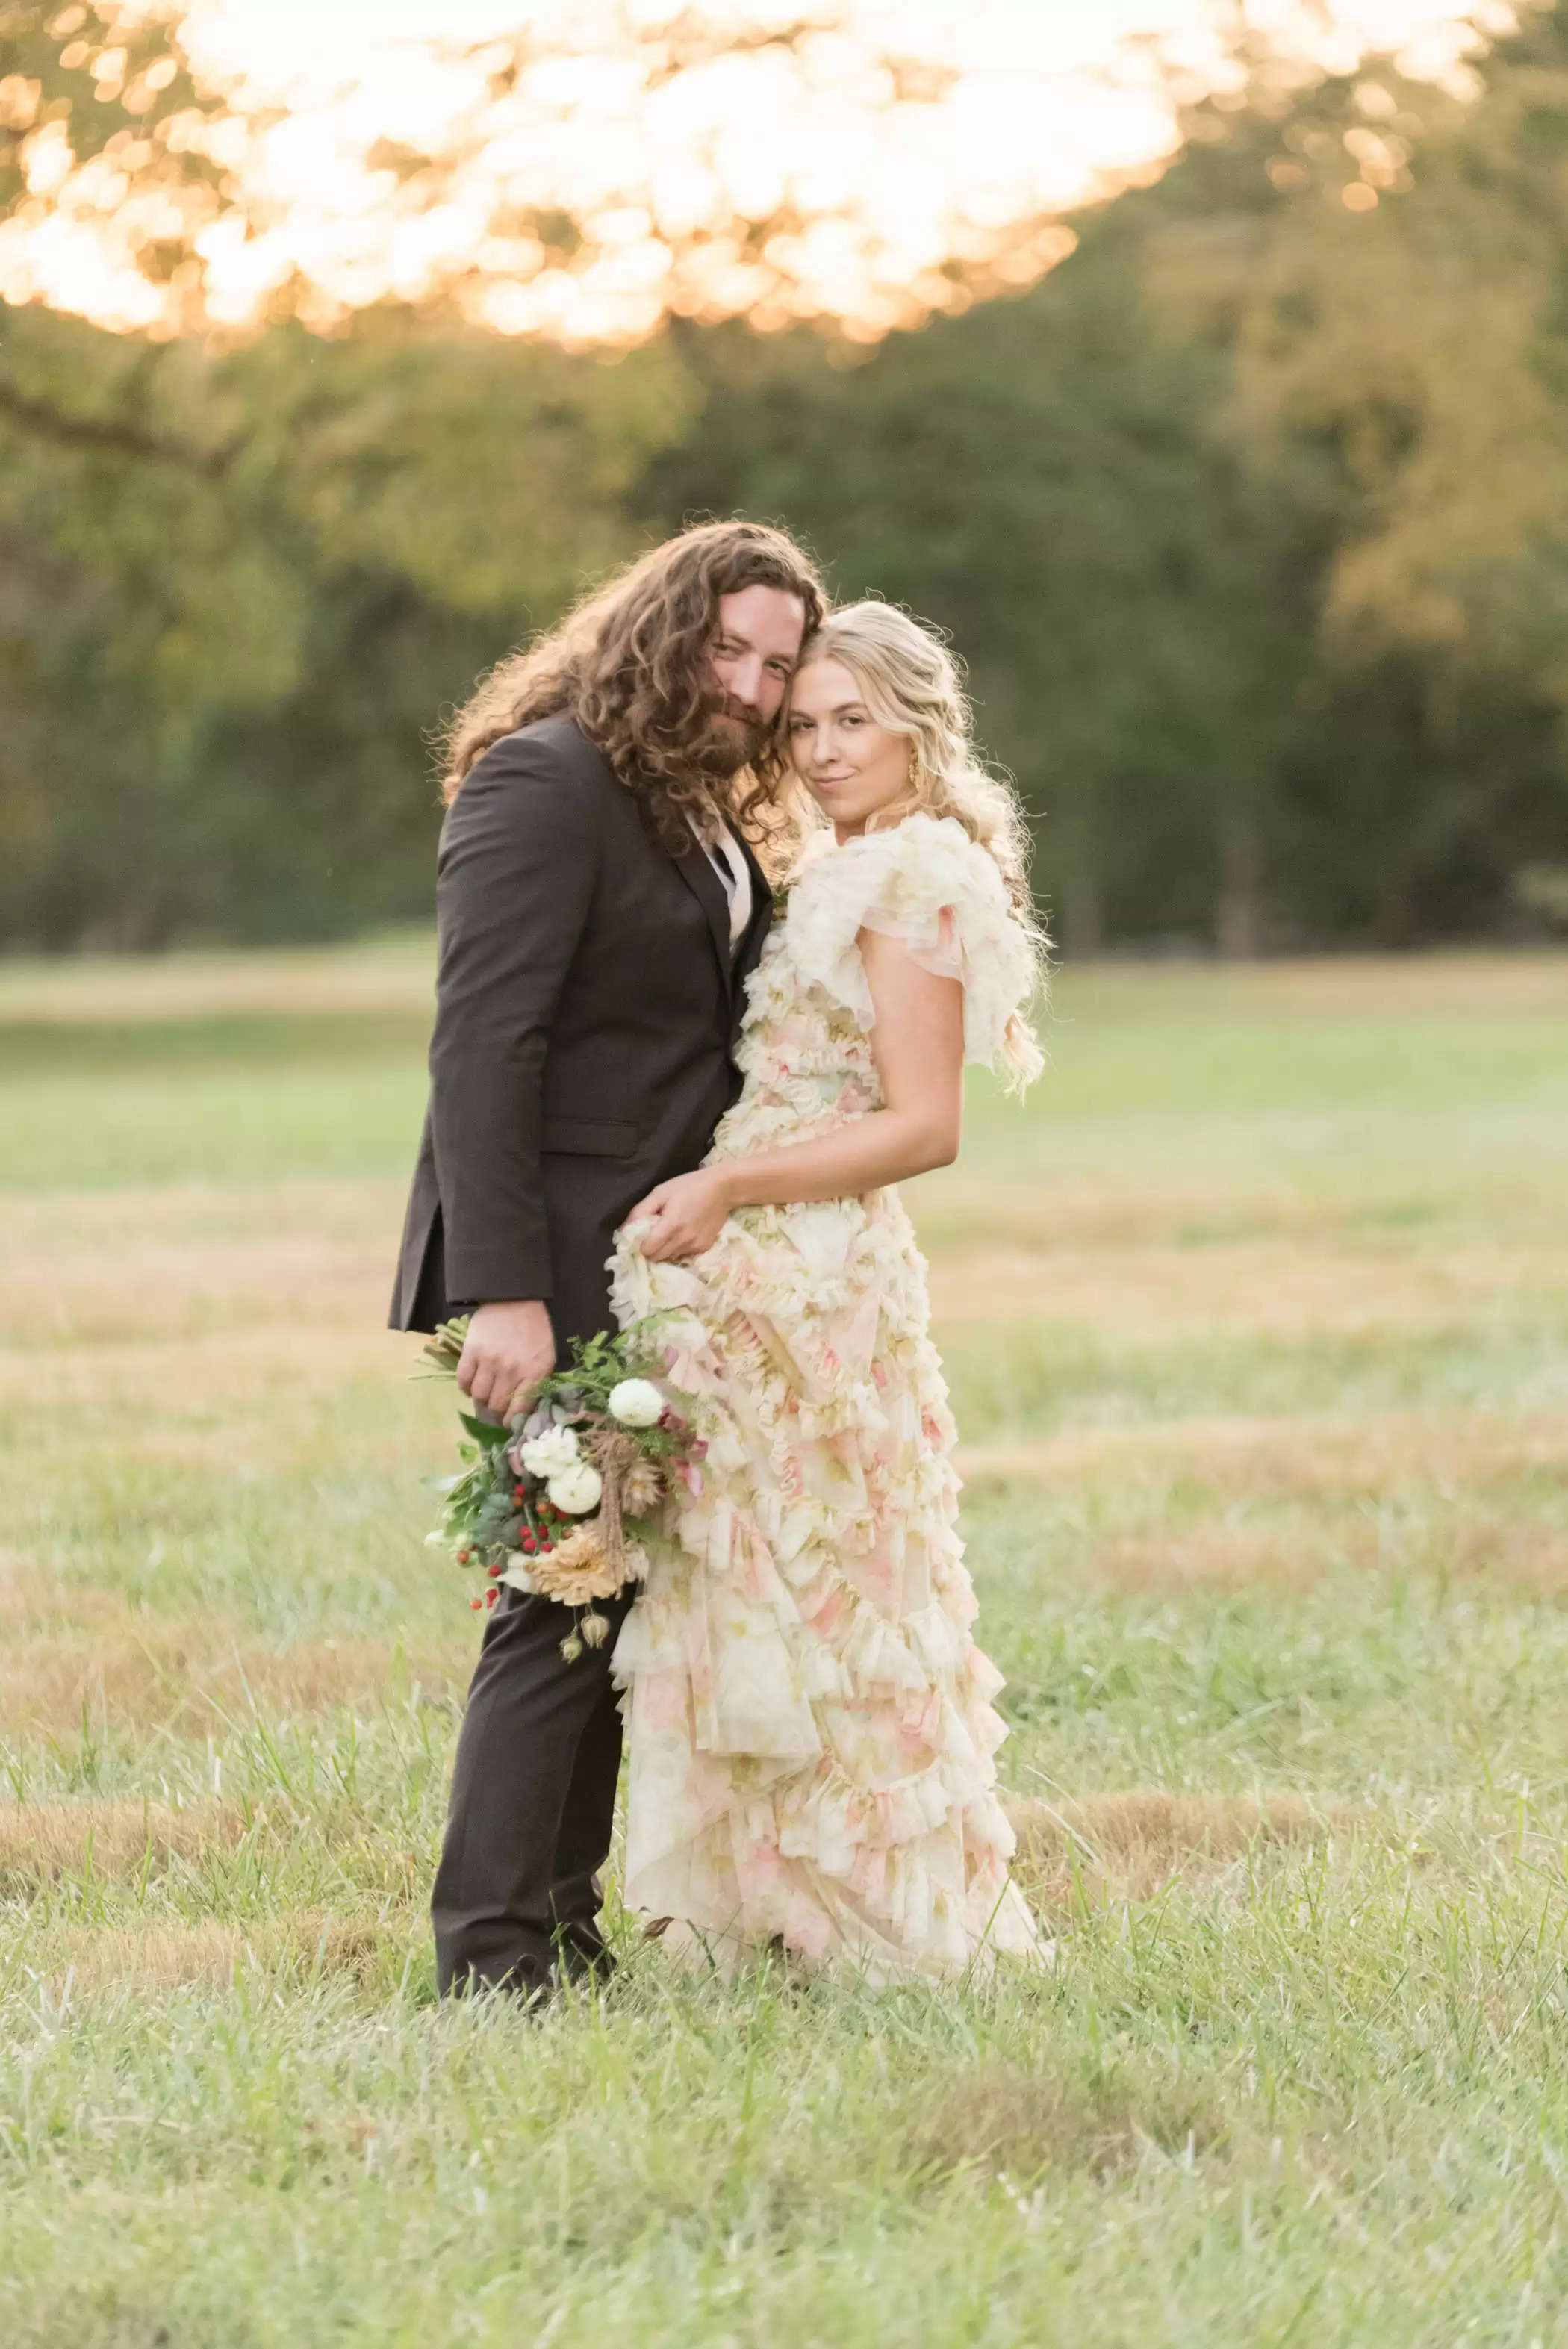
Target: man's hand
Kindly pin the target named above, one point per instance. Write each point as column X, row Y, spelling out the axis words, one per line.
column 682, row 1216
column 509, row 1349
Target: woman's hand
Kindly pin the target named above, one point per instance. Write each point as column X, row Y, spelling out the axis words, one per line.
column 682, row 1216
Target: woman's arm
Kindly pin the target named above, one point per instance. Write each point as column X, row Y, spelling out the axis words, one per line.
column 917, row 1043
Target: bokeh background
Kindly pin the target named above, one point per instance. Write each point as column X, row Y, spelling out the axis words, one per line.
column 1203, row 369
column 1206, row 374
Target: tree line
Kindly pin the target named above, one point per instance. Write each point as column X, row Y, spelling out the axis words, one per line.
column 1250, row 519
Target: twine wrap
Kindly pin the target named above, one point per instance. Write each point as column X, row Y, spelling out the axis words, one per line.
column 614, row 1454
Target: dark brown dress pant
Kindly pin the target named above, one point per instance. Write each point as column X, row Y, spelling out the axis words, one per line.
column 516, row 1897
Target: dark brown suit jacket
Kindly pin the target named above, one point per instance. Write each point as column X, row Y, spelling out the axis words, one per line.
column 586, row 1011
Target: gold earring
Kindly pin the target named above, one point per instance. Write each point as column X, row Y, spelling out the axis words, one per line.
column 913, row 766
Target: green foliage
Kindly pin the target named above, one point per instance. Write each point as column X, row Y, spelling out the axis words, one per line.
column 1251, row 521
column 223, row 665
column 1044, row 478
column 1246, row 518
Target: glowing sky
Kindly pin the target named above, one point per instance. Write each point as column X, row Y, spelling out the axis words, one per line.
column 290, row 41
column 1048, row 103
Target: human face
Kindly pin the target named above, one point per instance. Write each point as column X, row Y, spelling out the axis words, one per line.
column 755, row 648
column 852, row 766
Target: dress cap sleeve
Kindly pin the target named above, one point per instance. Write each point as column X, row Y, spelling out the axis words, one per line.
column 927, row 884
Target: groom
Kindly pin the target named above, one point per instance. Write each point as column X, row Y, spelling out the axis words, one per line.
column 599, row 907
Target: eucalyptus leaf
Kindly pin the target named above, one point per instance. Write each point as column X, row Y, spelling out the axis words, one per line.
column 483, row 1432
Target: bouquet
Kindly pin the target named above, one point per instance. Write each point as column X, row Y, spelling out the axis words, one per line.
column 557, row 1500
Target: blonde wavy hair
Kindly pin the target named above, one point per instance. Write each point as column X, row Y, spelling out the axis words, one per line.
column 912, row 686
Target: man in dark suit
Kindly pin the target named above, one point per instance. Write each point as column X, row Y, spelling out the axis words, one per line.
column 599, row 907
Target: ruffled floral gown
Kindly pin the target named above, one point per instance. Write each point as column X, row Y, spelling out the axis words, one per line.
column 811, row 1729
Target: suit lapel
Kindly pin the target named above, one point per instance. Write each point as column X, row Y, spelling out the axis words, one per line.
column 709, row 890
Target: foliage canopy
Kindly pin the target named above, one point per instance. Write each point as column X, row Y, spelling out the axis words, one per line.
column 1250, row 520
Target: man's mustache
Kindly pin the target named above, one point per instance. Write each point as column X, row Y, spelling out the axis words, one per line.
column 717, row 751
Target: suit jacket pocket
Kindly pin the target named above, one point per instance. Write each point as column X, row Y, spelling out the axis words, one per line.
column 589, row 1137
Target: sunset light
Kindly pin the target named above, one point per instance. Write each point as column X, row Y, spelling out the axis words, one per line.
column 784, row 1014
column 408, row 151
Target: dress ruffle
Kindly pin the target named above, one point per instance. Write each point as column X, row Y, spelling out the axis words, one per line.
column 812, row 1729
column 928, row 885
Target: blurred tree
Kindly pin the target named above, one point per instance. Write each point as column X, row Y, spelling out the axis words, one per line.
column 1135, row 598
column 582, row 180
column 681, row 122
column 1380, row 263
column 1250, row 519
column 237, row 582
column 109, row 146
column 218, row 669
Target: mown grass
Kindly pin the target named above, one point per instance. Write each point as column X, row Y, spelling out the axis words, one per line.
column 1257, row 1325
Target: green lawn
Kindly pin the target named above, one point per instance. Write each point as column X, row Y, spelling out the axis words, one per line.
column 1256, row 1320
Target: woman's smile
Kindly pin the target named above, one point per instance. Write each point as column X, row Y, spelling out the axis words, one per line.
column 828, row 718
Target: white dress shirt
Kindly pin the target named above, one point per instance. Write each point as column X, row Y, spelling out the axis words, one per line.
column 722, row 850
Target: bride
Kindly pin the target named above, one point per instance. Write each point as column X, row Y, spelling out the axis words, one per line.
column 811, row 1727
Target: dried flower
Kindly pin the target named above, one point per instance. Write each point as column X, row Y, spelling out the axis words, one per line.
column 643, row 1488
column 577, row 1569
column 594, row 1629
column 572, row 1647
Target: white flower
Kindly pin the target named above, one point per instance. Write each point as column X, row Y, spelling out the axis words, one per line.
column 550, row 1453
column 576, row 1489
column 636, row 1402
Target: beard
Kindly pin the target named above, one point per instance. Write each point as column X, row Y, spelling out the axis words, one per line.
column 731, row 738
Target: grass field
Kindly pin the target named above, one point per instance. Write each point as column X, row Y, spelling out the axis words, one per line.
column 1257, row 1326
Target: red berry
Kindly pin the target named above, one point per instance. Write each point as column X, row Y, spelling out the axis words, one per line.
column 495, row 1574
column 474, row 1606
column 529, row 1543
column 490, row 1597
column 462, row 1558
column 547, row 1544
column 517, row 1492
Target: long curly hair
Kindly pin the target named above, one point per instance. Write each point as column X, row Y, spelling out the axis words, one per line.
column 912, row 686
column 629, row 663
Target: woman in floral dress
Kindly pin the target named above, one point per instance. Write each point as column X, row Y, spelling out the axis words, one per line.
column 811, row 1724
